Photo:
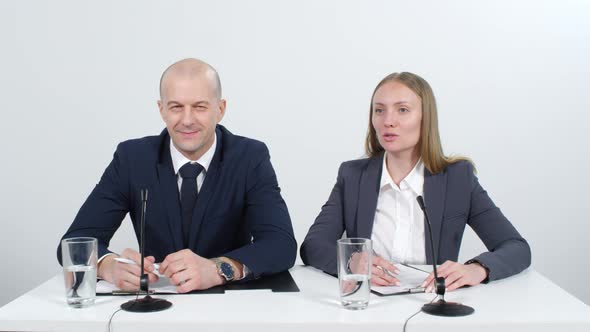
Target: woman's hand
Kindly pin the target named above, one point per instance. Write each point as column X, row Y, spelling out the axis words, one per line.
column 457, row 275
column 383, row 272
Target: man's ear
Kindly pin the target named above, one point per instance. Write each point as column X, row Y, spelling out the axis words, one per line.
column 161, row 108
column 222, row 104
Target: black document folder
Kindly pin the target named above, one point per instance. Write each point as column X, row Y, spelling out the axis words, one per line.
column 278, row 283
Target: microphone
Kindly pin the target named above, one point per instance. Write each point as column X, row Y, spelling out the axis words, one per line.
column 148, row 303
column 441, row 307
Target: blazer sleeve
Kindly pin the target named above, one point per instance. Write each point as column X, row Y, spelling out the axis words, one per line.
column 509, row 253
column 105, row 208
column 273, row 248
column 319, row 247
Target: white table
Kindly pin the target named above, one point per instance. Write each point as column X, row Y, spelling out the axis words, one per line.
column 526, row 302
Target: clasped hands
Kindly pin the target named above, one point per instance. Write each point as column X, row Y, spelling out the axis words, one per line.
column 185, row 269
column 383, row 273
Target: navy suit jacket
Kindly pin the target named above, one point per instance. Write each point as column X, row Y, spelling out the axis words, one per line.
column 453, row 199
column 240, row 213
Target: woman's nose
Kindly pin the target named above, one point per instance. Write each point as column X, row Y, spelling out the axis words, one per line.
column 390, row 120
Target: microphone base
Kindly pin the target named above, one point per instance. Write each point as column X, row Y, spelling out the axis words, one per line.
column 447, row 309
column 147, row 304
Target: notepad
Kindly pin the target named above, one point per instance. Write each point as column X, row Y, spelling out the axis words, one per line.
column 410, row 280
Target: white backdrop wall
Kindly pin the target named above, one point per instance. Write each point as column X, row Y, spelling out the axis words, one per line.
column 511, row 78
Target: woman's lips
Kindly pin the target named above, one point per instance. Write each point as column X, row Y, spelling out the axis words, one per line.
column 390, row 137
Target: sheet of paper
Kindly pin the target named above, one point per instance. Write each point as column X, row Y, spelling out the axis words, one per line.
column 409, row 278
column 161, row 286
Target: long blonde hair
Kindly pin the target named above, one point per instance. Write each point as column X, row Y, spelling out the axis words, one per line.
column 429, row 143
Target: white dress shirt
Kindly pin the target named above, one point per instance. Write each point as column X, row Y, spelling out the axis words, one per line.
column 179, row 160
column 398, row 227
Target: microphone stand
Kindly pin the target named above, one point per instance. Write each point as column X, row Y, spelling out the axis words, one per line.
column 148, row 303
column 440, row 307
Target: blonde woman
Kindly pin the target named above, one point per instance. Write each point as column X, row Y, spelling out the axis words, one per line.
column 376, row 198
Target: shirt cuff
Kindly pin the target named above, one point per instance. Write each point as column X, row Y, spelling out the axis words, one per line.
column 105, row 255
column 100, row 259
column 245, row 272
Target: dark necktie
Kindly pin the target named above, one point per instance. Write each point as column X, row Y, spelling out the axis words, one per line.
column 188, row 196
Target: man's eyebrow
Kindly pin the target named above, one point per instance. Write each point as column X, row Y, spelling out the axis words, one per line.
column 198, row 103
column 201, row 102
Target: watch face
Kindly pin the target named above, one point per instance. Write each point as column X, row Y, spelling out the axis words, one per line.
column 226, row 271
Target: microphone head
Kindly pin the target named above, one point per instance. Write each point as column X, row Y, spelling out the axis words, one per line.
column 420, row 202
column 144, row 194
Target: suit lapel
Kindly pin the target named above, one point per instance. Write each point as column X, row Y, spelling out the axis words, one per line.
column 169, row 187
column 435, row 186
column 207, row 190
column 367, row 197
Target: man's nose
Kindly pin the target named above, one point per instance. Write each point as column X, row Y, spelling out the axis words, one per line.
column 187, row 116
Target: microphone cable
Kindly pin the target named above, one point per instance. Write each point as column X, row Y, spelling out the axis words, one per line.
column 116, row 311
column 416, row 313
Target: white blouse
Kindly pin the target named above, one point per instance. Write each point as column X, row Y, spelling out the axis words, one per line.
column 398, row 227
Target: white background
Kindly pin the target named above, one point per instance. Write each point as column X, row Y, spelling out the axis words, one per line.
column 511, row 78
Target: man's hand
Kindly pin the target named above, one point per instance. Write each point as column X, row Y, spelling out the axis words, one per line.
column 126, row 276
column 189, row 271
column 457, row 275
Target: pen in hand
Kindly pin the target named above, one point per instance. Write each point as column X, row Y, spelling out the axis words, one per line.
column 389, row 273
column 156, row 270
column 379, row 263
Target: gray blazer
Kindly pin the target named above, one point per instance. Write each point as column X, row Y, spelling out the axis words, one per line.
column 453, row 198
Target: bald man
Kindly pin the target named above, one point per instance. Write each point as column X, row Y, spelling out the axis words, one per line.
column 214, row 213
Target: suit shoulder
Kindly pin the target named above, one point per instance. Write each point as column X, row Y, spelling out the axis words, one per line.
column 460, row 171
column 237, row 147
column 251, row 144
column 460, row 166
column 140, row 146
column 354, row 166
